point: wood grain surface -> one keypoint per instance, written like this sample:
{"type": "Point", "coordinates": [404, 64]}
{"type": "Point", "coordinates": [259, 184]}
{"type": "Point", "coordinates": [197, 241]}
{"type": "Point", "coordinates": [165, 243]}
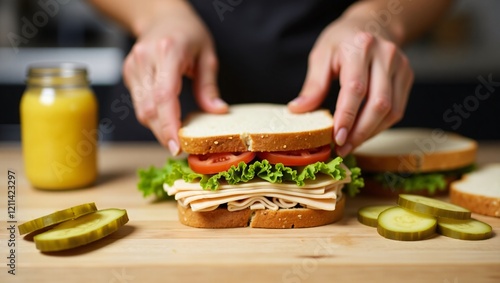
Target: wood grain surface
{"type": "Point", "coordinates": [155, 247]}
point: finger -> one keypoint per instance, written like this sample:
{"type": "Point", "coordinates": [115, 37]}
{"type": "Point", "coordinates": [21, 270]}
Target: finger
{"type": "Point", "coordinates": [168, 123]}
{"type": "Point", "coordinates": [168, 84]}
{"type": "Point", "coordinates": [205, 84]}
{"type": "Point", "coordinates": [403, 80]}
{"type": "Point", "coordinates": [139, 80]}
{"type": "Point", "coordinates": [376, 108]}
{"type": "Point", "coordinates": [317, 80]}
{"type": "Point", "coordinates": [353, 78]}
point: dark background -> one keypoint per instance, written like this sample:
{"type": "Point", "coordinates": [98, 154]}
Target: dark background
{"type": "Point", "coordinates": [451, 62]}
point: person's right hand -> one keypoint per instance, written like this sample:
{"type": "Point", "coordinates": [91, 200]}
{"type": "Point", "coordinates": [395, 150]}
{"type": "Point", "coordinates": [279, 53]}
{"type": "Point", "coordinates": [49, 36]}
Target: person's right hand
{"type": "Point", "coordinates": [169, 47]}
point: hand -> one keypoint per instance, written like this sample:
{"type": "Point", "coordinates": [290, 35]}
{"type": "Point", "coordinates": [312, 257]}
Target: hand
{"type": "Point", "coordinates": [370, 68]}
{"type": "Point", "coordinates": [170, 46]}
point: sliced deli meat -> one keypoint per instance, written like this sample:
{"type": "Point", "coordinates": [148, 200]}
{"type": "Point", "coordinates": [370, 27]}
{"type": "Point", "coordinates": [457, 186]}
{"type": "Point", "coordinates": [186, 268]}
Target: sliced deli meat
{"type": "Point", "coordinates": [321, 193]}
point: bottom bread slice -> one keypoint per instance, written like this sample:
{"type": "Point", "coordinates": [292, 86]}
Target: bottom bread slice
{"type": "Point", "coordinates": [262, 218]}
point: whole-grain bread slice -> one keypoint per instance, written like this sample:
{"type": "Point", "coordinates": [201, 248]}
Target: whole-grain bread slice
{"type": "Point", "coordinates": [255, 127]}
{"type": "Point", "coordinates": [263, 218]}
{"type": "Point", "coordinates": [479, 191]}
{"type": "Point", "coordinates": [415, 150]}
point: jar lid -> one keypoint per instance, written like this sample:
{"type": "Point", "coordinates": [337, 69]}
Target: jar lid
{"type": "Point", "coordinates": [57, 74]}
{"type": "Point", "coordinates": [63, 69]}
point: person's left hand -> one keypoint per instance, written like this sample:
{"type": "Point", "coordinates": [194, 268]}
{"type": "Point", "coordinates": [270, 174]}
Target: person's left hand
{"type": "Point", "coordinates": [375, 80]}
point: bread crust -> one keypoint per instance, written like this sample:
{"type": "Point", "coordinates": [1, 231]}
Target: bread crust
{"type": "Point", "coordinates": [419, 161]}
{"type": "Point", "coordinates": [484, 205]}
{"type": "Point", "coordinates": [259, 142]}
{"type": "Point", "coordinates": [218, 218]}
{"type": "Point", "coordinates": [280, 219]}
{"type": "Point", "coordinates": [244, 137]}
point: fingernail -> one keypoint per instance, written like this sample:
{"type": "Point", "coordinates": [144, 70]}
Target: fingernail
{"type": "Point", "coordinates": [341, 137]}
{"type": "Point", "coordinates": [344, 150]}
{"type": "Point", "coordinates": [173, 147]}
{"type": "Point", "coordinates": [297, 101]}
{"type": "Point", "coordinates": [219, 103]}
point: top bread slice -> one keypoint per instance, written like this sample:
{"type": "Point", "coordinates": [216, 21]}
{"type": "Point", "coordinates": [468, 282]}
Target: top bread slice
{"type": "Point", "coordinates": [255, 127]}
{"type": "Point", "coordinates": [479, 191]}
{"type": "Point", "coordinates": [415, 150]}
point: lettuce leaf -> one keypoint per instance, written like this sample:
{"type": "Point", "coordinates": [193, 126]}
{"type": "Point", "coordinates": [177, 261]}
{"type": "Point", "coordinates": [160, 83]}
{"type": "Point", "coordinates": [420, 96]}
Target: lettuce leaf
{"type": "Point", "coordinates": [277, 173]}
{"type": "Point", "coordinates": [433, 182]}
{"type": "Point", "coordinates": [357, 181]}
{"type": "Point", "coordinates": [152, 179]}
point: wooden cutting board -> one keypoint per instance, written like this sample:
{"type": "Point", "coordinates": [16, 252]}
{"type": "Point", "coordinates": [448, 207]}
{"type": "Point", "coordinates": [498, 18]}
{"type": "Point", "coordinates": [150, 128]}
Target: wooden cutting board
{"type": "Point", "coordinates": [155, 247]}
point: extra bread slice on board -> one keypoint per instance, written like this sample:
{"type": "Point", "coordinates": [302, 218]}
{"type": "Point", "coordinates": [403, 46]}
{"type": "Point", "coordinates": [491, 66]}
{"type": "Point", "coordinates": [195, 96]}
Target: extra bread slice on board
{"type": "Point", "coordinates": [479, 191]}
{"type": "Point", "coordinates": [255, 127]}
{"type": "Point", "coordinates": [264, 218]}
{"type": "Point", "coordinates": [415, 150]}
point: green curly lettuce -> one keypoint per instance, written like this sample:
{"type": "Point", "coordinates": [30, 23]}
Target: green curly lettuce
{"type": "Point", "coordinates": [151, 180]}
{"type": "Point", "coordinates": [432, 182]}
{"type": "Point", "coordinates": [276, 173]}
{"type": "Point", "coordinates": [408, 184]}
{"type": "Point", "coordinates": [357, 182]}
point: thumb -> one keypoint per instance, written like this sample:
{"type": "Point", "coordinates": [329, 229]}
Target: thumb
{"type": "Point", "coordinates": [206, 90]}
{"type": "Point", "coordinates": [316, 83]}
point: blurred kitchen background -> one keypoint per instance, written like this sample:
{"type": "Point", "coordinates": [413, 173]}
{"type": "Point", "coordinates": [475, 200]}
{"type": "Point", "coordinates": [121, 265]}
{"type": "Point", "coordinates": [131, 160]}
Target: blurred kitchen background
{"type": "Point", "coordinates": [451, 63]}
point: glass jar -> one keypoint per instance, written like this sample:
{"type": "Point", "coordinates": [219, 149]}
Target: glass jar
{"type": "Point", "coordinates": [59, 127]}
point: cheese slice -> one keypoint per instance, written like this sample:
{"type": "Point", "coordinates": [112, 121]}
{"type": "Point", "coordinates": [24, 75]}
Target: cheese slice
{"type": "Point", "coordinates": [321, 193]}
{"type": "Point", "coordinates": [326, 202]}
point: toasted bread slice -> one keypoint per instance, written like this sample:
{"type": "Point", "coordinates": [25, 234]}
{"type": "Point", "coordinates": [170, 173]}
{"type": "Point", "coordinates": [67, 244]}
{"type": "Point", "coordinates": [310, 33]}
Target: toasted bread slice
{"type": "Point", "coordinates": [263, 218]}
{"type": "Point", "coordinates": [479, 191]}
{"type": "Point", "coordinates": [415, 150]}
{"type": "Point", "coordinates": [255, 127]}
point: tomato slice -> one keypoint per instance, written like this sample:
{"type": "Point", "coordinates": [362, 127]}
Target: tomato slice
{"type": "Point", "coordinates": [297, 157]}
{"type": "Point", "coordinates": [214, 163]}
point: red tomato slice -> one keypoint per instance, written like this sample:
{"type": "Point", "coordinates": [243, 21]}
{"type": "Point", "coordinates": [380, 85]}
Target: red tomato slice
{"type": "Point", "coordinates": [298, 157]}
{"type": "Point", "coordinates": [217, 162]}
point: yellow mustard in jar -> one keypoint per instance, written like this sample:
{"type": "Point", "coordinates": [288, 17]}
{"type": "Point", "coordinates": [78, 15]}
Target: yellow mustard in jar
{"type": "Point", "coordinates": [59, 127]}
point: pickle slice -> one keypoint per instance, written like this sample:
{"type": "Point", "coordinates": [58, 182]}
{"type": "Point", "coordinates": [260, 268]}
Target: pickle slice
{"type": "Point", "coordinates": [368, 215]}
{"type": "Point", "coordinates": [56, 218]}
{"type": "Point", "coordinates": [433, 207]}
{"type": "Point", "coordinates": [400, 224]}
{"type": "Point", "coordinates": [82, 230]}
{"type": "Point", "coordinates": [469, 229]}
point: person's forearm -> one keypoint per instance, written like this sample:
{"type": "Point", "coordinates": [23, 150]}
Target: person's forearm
{"type": "Point", "coordinates": [136, 15]}
{"type": "Point", "coordinates": [399, 20]}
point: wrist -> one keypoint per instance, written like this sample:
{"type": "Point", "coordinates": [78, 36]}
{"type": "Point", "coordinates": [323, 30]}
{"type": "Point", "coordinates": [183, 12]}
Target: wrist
{"type": "Point", "coordinates": [156, 10]}
{"type": "Point", "coordinates": [378, 18]}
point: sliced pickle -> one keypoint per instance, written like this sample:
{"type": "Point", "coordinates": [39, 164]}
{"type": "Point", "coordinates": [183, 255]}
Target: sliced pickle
{"type": "Point", "coordinates": [400, 224]}
{"type": "Point", "coordinates": [433, 207]}
{"type": "Point", "coordinates": [56, 218]}
{"type": "Point", "coordinates": [469, 229]}
{"type": "Point", "coordinates": [368, 215]}
{"type": "Point", "coordinates": [82, 230]}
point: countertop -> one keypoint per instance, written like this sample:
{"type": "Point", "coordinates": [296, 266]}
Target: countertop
{"type": "Point", "coordinates": [154, 247]}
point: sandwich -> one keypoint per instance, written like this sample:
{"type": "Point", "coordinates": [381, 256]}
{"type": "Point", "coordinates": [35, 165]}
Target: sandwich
{"type": "Point", "coordinates": [479, 191]}
{"type": "Point", "coordinates": [259, 165]}
{"type": "Point", "coordinates": [414, 160]}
